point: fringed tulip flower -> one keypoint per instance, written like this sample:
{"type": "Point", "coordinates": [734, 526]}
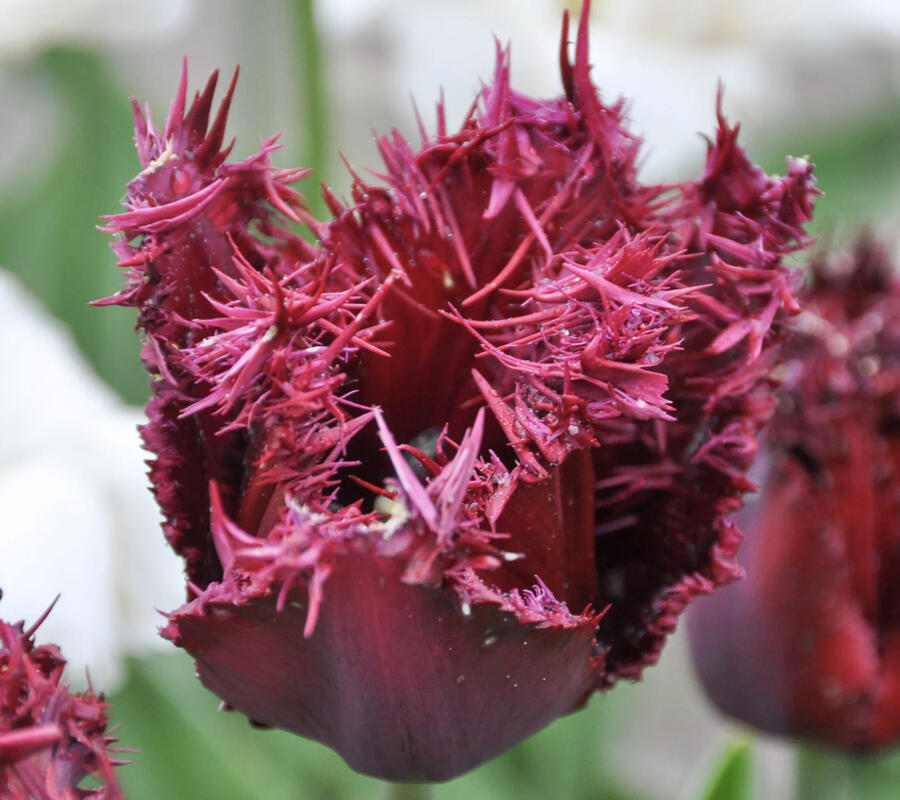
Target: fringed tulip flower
{"type": "Point", "coordinates": [442, 475]}
{"type": "Point", "coordinates": [50, 740]}
{"type": "Point", "coordinates": [809, 643]}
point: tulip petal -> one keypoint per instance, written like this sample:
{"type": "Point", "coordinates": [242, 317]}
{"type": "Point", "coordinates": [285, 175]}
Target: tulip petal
{"type": "Point", "coordinates": [391, 710]}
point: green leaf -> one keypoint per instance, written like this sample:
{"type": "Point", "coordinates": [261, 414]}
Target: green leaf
{"type": "Point", "coordinates": [315, 122]}
{"type": "Point", "coordinates": [732, 777]}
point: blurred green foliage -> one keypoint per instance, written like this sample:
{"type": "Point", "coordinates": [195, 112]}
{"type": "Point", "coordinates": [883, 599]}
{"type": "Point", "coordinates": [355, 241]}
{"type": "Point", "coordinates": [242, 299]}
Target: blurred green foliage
{"type": "Point", "coordinates": [857, 167]}
{"type": "Point", "coordinates": [48, 232]}
{"type": "Point", "coordinates": [826, 774]}
{"type": "Point", "coordinates": [190, 750]}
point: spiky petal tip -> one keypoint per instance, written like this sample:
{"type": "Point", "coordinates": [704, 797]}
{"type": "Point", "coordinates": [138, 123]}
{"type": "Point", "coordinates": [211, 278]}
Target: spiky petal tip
{"type": "Point", "coordinates": [484, 436]}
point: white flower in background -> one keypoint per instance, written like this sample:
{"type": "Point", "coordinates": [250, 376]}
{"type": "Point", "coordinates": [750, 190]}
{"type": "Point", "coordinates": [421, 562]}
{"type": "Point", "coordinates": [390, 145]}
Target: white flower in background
{"type": "Point", "coordinates": [785, 64]}
{"type": "Point", "coordinates": [78, 518]}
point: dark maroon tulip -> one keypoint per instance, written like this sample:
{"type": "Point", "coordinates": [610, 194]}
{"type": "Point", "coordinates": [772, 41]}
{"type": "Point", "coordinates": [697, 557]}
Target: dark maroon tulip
{"type": "Point", "coordinates": [464, 461]}
{"type": "Point", "coordinates": [49, 739]}
{"type": "Point", "coordinates": [809, 644]}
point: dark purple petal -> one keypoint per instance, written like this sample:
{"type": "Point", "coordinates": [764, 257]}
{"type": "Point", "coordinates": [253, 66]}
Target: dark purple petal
{"type": "Point", "coordinates": [358, 673]}
{"type": "Point", "coordinates": [512, 390]}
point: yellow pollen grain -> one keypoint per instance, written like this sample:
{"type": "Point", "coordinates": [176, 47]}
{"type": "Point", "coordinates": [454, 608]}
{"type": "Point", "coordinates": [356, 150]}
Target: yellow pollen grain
{"type": "Point", "coordinates": [163, 158]}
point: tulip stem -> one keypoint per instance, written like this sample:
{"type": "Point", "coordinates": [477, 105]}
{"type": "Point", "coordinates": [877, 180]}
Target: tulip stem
{"type": "Point", "coordinates": [408, 791]}
{"type": "Point", "coordinates": [315, 122]}
{"type": "Point", "coordinates": [822, 775]}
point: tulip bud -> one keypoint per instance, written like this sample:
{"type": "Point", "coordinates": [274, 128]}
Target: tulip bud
{"type": "Point", "coordinates": [49, 739]}
{"type": "Point", "coordinates": [808, 644]}
{"type": "Point", "coordinates": [439, 477]}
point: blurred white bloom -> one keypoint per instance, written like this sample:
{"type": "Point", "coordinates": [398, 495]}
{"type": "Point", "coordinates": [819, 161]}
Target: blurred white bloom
{"type": "Point", "coordinates": [769, 22]}
{"type": "Point", "coordinates": [78, 519]}
{"type": "Point", "coordinates": [785, 64]}
{"type": "Point", "coordinates": [31, 24]}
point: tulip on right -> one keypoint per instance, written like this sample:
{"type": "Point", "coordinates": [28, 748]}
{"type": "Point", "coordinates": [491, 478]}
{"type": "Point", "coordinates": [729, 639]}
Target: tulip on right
{"type": "Point", "coordinates": [808, 644]}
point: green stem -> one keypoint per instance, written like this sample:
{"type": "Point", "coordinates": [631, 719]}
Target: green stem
{"type": "Point", "coordinates": [408, 791]}
{"type": "Point", "coordinates": [315, 123]}
{"type": "Point", "coordinates": [822, 774]}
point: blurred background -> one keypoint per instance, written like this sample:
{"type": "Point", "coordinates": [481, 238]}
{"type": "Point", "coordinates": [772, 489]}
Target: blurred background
{"type": "Point", "coordinates": [805, 77]}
